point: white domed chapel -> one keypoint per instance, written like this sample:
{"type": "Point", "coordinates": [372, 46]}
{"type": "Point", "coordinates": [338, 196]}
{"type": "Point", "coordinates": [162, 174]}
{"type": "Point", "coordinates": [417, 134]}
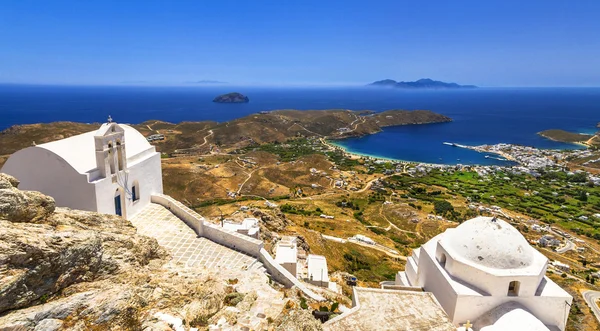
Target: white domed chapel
{"type": "Point", "coordinates": [112, 170]}
{"type": "Point", "coordinates": [484, 271]}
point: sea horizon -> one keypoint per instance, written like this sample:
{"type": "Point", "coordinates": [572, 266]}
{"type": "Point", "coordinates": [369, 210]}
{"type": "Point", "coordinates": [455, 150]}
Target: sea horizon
{"type": "Point", "coordinates": [486, 115]}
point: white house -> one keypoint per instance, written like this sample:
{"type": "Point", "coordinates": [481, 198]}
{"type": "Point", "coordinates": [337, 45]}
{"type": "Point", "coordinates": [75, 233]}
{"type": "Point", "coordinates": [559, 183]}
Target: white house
{"type": "Point", "coordinates": [317, 270]}
{"type": "Point", "coordinates": [286, 254]}
{"type": "Point", "coordinates": [113, 170]}
{"type": "Point", "coordinates": [484, 271]}
{"type": "Point", "coordinates": [364, 239]}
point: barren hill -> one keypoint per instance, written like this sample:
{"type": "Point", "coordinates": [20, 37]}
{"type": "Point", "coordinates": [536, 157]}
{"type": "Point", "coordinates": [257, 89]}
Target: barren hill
{"type": "Point", "coordinates": [275, 126]}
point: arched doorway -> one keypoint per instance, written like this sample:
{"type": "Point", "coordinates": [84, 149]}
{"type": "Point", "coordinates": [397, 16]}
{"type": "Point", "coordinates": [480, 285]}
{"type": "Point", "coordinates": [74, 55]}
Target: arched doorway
{"type": "Point", "coordinates": [118, 203]}
{"type": "Point", "coordinates": [513, 288]}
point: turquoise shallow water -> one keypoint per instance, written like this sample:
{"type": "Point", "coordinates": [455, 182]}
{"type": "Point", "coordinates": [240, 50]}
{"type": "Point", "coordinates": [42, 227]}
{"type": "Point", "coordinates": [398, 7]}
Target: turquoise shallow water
{"type": "Point", "coordinates": [481, 116]}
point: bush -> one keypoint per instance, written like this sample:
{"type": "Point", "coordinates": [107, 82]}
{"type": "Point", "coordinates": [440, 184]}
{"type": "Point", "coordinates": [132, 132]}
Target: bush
{"type": "Point", "coordinates": [303, 304]}
{"type": "Point", "coordinates": [233, 299]}
{"type": "Point", "coordinates": [377, 231]}
{"type": "Point", "coordinates": [441, 207]}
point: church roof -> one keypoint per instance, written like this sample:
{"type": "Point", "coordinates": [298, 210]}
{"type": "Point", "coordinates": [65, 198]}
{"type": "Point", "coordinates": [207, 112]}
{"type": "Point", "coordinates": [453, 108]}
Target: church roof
{"type": "Point", "coordinates": [489, 242]}
{"type": "Point", "coordinates": [509, 316]}
{"type": "Point", "coordinates": [80, 151]}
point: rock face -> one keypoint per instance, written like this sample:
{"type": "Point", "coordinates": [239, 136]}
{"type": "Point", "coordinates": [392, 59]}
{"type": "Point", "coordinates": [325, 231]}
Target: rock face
{"type": "Point", "coordinates": [44, 250]}
{"type": "Point", "coordinates": [19, 206]}
{"type": "Point", "coordinates": [299, 320]}
{"type": "Point", "coordinates": [232, 98]}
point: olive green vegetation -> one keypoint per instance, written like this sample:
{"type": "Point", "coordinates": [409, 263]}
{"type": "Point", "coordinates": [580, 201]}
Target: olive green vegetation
{"type": "Point", "coordinates": [295, 148]}
{"type": "Point", "coordinates": [553, 197]}
{"type": "Point", "coordinates": [290, 150]}
{"type": "Point", "coordinates": [369, 266]}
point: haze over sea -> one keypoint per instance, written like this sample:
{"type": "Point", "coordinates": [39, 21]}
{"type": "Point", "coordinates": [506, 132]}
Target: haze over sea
{"type": "Point", "coordinates": [481, 116]}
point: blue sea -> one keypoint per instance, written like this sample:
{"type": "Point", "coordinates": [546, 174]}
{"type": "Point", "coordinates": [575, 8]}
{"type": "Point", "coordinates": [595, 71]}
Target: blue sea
{"type": "Point", "coordinates": [481, 116]}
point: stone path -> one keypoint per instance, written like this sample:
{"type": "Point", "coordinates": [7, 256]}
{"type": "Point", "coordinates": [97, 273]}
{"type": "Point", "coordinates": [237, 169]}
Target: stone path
{"type": "Point", "coordinates": [182, 242]}
{"type": "Point", "coordinates": [186, 248]}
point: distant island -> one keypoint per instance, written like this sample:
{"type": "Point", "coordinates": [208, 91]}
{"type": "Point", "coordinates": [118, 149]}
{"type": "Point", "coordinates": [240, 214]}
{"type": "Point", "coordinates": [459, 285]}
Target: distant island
{"type": "Point", "coordinates": [232, 98]}
{"type": "Point", "coordinates": [424, 83]}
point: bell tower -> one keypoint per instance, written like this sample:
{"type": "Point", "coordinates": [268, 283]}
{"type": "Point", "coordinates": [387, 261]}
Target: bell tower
{"type": "Point", "coordinates": [109, 143]}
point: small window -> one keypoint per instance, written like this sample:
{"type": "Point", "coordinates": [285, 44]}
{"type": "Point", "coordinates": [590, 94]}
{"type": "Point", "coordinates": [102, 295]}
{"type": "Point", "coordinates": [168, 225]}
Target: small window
{"type": "Point", "coordinates": [443, 260]}
{"type": "Point", "coordinates": [135, 191]}
{"type": "Point", "coordinates": [111, 158]}
{"type": "Point", "coordinates": [513, 288]}
{"type": "Point", "coordinates": [120, 155]}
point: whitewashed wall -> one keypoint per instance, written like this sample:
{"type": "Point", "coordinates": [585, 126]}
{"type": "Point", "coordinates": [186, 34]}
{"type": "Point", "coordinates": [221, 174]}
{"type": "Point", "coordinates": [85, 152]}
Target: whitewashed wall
{"type": "Point", "coordinates": [146, 169]}
{"type": "Point", "coordinates": [40, 170]}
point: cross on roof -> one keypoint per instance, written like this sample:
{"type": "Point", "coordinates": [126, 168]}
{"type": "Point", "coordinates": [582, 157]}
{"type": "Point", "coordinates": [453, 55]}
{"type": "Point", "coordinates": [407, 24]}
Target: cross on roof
{"type": "Point", "coordinates": [110, 119]}
{"type": "Point", "coordinates": [468, 325]}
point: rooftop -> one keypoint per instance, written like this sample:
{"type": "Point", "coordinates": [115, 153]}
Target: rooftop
{"type": "Point", "coordinates": [287, 251]}
{"type": "Point", "coordinates": [378, 309]}
{"type": "Point", "coordinates": [317, 268]}
{"type": "Point", "coordinates": [489, 242]}
{"type": "Point", "coordinates": [80, 151]}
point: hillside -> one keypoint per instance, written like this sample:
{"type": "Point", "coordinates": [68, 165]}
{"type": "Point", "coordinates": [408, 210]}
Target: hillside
{"type": "Point", "coordinates": [564, 136]}
{"type": "Point", "coordinates": [424, 83]}
{"type": "Point", "coordinates": [200, 137]}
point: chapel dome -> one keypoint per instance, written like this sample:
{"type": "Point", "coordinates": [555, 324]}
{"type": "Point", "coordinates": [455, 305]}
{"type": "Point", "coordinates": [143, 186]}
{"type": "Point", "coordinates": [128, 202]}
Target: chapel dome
{"type": "Point", "coordinates": [489, 242]}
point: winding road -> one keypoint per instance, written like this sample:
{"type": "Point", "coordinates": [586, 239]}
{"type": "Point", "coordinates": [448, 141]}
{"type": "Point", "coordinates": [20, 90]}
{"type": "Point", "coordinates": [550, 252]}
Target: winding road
{"type": "Point", "coordinates": [591, 297]}
{"type": "Point", "coordinates": [210, 133]}
{"type": "Point", "coordinates": [569, 246]}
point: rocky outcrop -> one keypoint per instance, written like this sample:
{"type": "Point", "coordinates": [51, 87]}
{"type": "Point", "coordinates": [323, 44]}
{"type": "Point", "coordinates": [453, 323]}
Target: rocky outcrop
{"type": "Point", "coordinates": [299, 320]}
{"type": "Point", "coordinates": [45, 249]}
{"type": "Point", "coordinates": [20, 206]}
{"type": "Point", "coordinates": [270, 223]}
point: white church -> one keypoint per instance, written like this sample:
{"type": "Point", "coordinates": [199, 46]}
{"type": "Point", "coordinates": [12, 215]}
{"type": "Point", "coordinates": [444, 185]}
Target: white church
{"type": "Point", "coordinates": [113, 170]}
{"type": "Point", "coordinates": [485, 275]}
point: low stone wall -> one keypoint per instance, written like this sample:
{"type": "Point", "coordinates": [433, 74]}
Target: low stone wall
{"type": "Point", "coordinates": [233, 240]}
{"type": "Point", "coordinates": [190, 217]}
{"type": "Point", "coordinates": [284, 277]}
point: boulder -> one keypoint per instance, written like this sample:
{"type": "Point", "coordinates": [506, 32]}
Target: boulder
{"type": "Point", "coordinates": [22, 206]}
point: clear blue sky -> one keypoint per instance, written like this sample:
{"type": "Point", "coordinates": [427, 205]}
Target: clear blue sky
{"type": "Point", "coordinates": [483, 42]}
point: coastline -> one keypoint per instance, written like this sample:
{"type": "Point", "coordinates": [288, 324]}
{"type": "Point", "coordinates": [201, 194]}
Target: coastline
{"type": "Point", "coordinates": [580, 143]}
{"type": "Point", "coordinates": [357, 155]}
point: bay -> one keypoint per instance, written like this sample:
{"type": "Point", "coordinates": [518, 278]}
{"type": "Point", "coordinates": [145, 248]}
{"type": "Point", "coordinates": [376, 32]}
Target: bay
{"type": "Point", "coordinates": [480, 116]}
